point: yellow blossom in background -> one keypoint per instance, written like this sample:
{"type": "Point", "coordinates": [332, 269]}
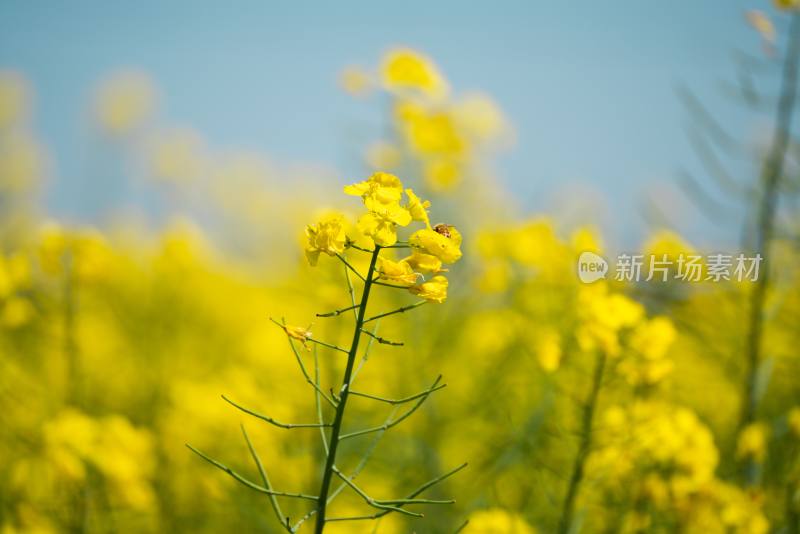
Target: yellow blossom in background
{"type": "Point", "coordinates": [16, 311]}
{"type": "Point", "coordinates": [786, 5]}
{"type": "Point", "coordinates": [548, 350]}
{"type": "Point", "coordinates": [442, 174]}
{"type": "Point", "coordinates": [480, 117]}
{"type": "Point", "coordinates": [327, 236]}
{"type": "Point", "coordinates": [177, 157]}
{"type": "Point", "coordinates": [604, 314]}
{"type": "Point", "coordinates": [356, 81]}
{"type": "Point", "coordinates": [496, 277]}
{"type": "Point", "coordinates": [497, 521]}
{"type": "Point", "coordinates": [15, 273]}
{"type": "Point", "coordinates": [653, 337]}
{"type": "Point", "coordinates": [22, 163]}
{"type": "Point", "coordinates": [752, 442]}
{"type": "Point", "coordinates": [428, 131]}
{"type": "Point", "coordinates": [434, 290]}
{"type": "Point", "coordinates": [120, 452]}
{"type": "Point", "coordinates": [14, 99]}
{"type": "Point", "coordinates": [761, 23]}
{"type": "Point", "coordinates": [404, 69]}
{"type": "Point", "coordinates": [82, 254]}
{"type": "Point", "coordinates": [124, 101]}
{"type": "Point", "coordinates": [793, 419]}
{"type": "Point", "coordinates": [383, 155]}
{"type": "Point", "coordinates": [586, 239]}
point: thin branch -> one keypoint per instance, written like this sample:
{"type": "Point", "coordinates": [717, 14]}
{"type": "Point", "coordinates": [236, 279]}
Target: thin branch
{"type": "Point", "coordinates": [351, 291]}
{"type": "Point", "coordinates": [399, 401]}
{"type": "Point", "coordinates": [282, 519]}
{"type": "Point", "coordinates": [303, 369]}
{"type": "Point", "coordinates": [248, 483]}
{"type": "Point", "coordinates": [369, 500]}
{"type": "Point", "coordinates": [272, 421]}
{"type": "Point", "coordinates": [337, 312]}
{"type": "Point", "coordinates": [382, 340]}
{"type": "Point", "coordinates": [334, 347]}
{"type": "Point", "coordinates": [359, 467]}
{"type": "Point", "coordinates": [317, 394]}
{"type": "Point", "coordinates": [307, 337]}
{"type": "Point", "coordinates": [350, 244]}
{"type": "Point", "coordinates": [704, 117]}
{"type": "Point", "coordinates": [398, 310]}
{"type": "Point", "coordinates": [411, 495]}
{"type": "Point", "coordinates": [366, 354]}
{"type": "Point", "coordinates": [390, 424]}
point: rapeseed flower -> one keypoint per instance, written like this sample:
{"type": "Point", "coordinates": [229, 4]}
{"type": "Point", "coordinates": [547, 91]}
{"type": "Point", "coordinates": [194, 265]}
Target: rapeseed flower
{"type": "Point", "coordinates": [297, 332]}
{"type": "Point", "coordinates": [399, 272]}
{"type": "Point", "coordinates": [418, 208]}
{"type": "Point", "coordinates": [752, 442]}
{"type": "Point", "coordinates": [404, 69]}
{"type": "Point", "coordinates": [327, 236]}
{"type": "Point", "coordinates": [424, 263]}
{"type": "Point", "coordinates": [442, 241]}
{"type": "Point", "coordinates": [434, 290]}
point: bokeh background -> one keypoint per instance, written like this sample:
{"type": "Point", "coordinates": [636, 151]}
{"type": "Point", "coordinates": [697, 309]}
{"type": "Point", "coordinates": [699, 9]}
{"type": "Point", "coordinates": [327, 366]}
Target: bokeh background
{"type": "Point", "coordinates": [159, 163]}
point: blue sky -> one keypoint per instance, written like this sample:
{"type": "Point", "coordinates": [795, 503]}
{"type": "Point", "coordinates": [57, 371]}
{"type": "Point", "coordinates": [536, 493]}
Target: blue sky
{"type": "Point", "coordinates": [588, 85]}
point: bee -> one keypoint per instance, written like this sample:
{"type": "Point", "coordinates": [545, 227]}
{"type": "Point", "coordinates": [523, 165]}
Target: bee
{"type": "Point", "coordinates": [443, 229]}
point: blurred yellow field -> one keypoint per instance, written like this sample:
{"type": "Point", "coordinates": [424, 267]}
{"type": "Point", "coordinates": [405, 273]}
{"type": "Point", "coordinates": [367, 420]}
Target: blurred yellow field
{"type": "Point", "coordinates": [234, 344]}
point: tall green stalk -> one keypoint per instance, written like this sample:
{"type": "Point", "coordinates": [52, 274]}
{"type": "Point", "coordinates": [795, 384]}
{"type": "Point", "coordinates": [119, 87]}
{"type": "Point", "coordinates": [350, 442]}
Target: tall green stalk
{"type": "Point", "coordinates": [584, 447]}
{"type": "Point", "coordinates": [336, 429]}
{"type": "Point", "coordinates": [767, 210]}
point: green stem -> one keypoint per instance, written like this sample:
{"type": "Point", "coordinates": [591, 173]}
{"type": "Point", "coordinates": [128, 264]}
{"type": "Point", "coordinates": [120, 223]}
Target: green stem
{"type": "Point", "coordinates": [771, 177]}
{"type": "Point", "coordinates": [568, 511]}
{"type": "Point", "coordinates": [328, 471]}
{"type": "Point", "coordinates": [398, 310]}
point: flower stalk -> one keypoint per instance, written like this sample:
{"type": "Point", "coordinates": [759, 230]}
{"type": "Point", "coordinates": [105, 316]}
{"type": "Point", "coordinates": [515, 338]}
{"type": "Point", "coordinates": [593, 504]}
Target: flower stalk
{"type": "Point", "coordinates": [432, 247]}
{"type": "Point", "coordinates": [584, 447]}
{"type": "Point", "coordinates": [344, 393]}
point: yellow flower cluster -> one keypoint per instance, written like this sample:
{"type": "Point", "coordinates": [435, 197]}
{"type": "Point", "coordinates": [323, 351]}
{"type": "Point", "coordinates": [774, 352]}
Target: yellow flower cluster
{"type": "Point", "coordinates": [497, 521]}
{"type": "Point", "coordinates": [752, 443]}
{"type": "Point", "coordinates": [604, 315]}
{"type": "Point", "coordinates": [664, 455]}
{"type": "Point", "coordinates": [646, 363]}
{"type": "Point", "coordinates": [443, 135]}
{"type": "Point", "coordinates": [431, 247]}
{"type": "Point", "coordinates": [124, 102]}
{"type": "Point", "coordinates": [16, 308]}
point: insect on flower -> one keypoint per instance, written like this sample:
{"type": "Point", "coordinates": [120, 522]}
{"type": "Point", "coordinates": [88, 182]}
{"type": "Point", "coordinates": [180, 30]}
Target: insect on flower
{"type": "Point", "coordinates": [443, 229]}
